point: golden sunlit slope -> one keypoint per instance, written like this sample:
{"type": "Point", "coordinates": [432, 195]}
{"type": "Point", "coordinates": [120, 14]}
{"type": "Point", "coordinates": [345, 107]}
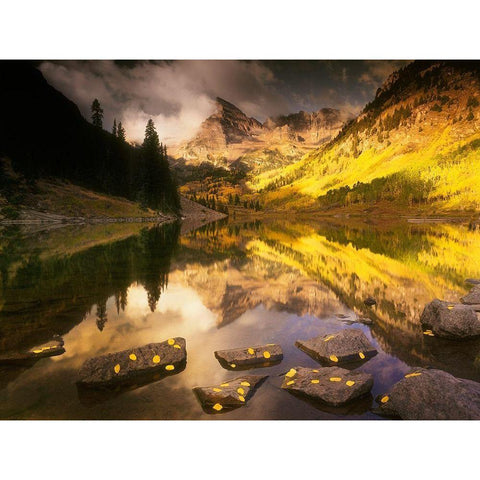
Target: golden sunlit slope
{"type": "Point", "coordinates": [417, 143]}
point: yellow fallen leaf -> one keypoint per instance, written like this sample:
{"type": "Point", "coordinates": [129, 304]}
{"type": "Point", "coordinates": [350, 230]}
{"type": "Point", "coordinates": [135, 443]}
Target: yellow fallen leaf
{"type": "Point", "coordinates": [291, 382]}
{"type": "Point", "coordinates": [217, 389]}
{"type": "Point", "coordinates": [315, 381]}
{"type": "Point", "coordinates": [177, 346]}
{"type": "Point", "coordinates": [333, 358]}
{"type": "Point", "coordinates": [116, 368]}
{"type": "Point", "coordinates": [241, 391]}
{"type": "Point", "coordinates": [316, 371]}
{"type": "Point", "coordinates": [335, 379]}
{"type": "Point", "coordinates": [38, 351]}
{"type": "Point", "coordinates": [251, 351]}
{"type": "Point", "coordinates": [171, 341]}
{"type": "Point", "coordinates": [266, 354]}
{"type": "Point", "coordinates": [361, 355]}
{"type": "Point", "coordinates": [242, 399]}
{"type": "Point", "coordinates": [414, 374]}
{"type": "Point", "coordinates": [451, 307]}
{"type": "Point", "coordinates": [232, 365]}
{"type": "Point", "coordinates": [156, 359]}
{"type": "Point", "coordinates": [292, 372]}
{"type": "Point", "coordinates": [169, 367]}
{"type": "Point", "coordinates": [217, 407]}
{"type": "Point", "coordinates": [350, 383]}
{"type": "Point", "coordinates": [385, 399]}
{"type": "Point", "coordinates": [245, 384]}
{"type": "Point", "coordinates": [326, 339]}
{"type": "Point", "coordinates": [132, 356]}
{"type": "Point", "coordinates": [224, 384]}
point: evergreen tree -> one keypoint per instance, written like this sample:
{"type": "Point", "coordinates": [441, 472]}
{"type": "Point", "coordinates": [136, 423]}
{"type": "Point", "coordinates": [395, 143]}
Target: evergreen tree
{"type": "Point", "coordinates": [114, 129]}
{"type": "Point", "coordinates": [97, 114]}
{"type": "Point", "coordinates": [121, 132]}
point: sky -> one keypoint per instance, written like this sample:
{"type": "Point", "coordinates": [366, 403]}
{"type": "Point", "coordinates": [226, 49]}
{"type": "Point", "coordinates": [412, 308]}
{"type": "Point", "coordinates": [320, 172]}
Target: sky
{"type": "Point", "coordinates": [179, 95]}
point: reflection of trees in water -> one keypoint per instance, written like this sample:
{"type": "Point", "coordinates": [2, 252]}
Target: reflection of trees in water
{"type": "Point", "coordinates": [41, 292]}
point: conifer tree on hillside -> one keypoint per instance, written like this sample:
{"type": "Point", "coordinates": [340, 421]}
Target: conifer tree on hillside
{"type": "Point", "coordinates": [97, 114]}
{"type": "Point", "coordinates": [158, 190]}
{"type": "Point", "coordinates": [114, 129]}
{"type": "Point", "coordinates": [121, 132]}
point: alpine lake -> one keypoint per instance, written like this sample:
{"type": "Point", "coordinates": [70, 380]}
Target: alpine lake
{"type": "Point", "coordinates": [229, 284]}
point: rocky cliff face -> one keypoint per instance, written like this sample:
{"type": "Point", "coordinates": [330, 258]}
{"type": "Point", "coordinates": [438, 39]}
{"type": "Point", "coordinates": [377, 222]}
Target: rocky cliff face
{"type": "Point", "coordinates": [229, 136]}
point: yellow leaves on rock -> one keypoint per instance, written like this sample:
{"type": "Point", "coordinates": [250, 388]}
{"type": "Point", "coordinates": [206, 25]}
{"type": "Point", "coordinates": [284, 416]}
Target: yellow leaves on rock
{"type": "Point", "coordinates": [291, 373]}
{"type": "Point", "coordinates": [327, 339]}
{"type": "Point", "coordinates": [385, 399]}
{"type": "Point", "coordinates": [43, 349]}
{"type": "Point", "coordinates": [315, 381]}
{"type": "Point", "coordinates": [171, 341]}
{"type": "Point", "coordinates": [215, 389]}
{"type": "Point", "coordinates": [266, 354]}
{"type": "Point", "coordinates": [291, 382]}
{"type": "Point", "coordinates": [156, 359]}
{"type": "Point", "coordinates": [132, 357]}
{"type": "Point", "coordinates": [251, 351]}
{"type": "Point", "coordinates": [241, 391]}
{"type": "Point", "coordinates": [451, 307]}
{"type": "Point", "coordinates": [350, 383]}
{"type": "Point", "coordinates": [224, 384]}
{"type": "Point", "coordinates": [414, 374]}
{"type": "Point", "coordinates": [177, 346]}
{"type": "Point", "coordinates": [233, 365]}
{"type": "Point", "coordinates": [361, 355]}
{"type": "Point", "coordinates": [241, 398]}
{"type": "Point", "coordinates": [38, 351]}
{"type": "Point", "coordinates": [429, 333]}
{"type": "Point", "coordinates": [217, 407]}
{"type": "Point", "coordinates": [333, 358]}
{"type": "Point", "coordinates": [169, 368]}
{"type": "Point", "coordinates": [315, 371]}
{"type": "Point", "coordinates": [335, 379]}
{"type": "Point", "coordinates": [116, 368]}
{"type": "Point", "coordinates": [245, 384]}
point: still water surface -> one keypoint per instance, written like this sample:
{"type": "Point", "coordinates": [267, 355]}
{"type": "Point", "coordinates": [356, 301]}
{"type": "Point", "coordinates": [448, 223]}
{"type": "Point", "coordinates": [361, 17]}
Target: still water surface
{"type": "Point", "coordinates": [109, 288]}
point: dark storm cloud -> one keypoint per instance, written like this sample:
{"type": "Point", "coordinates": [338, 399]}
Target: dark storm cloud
{"type": "Point", "coordinates": [179, 95]}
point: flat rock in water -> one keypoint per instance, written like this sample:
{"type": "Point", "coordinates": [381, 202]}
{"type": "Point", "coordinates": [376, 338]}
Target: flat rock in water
{"type": "Point", "coordinates": [249, 357]}
{"type": "Point", "coordinates": [228, 395]}
{"type": "Point", "coordinates": [349, 345]}
{"type": "Point", "coordinates": [333, 386]}
{"type": "Point", "coordinates": [132, 365]}
{"type": "Point", "coordinates": [450, 320]}
{"type": "Point", "coordinates": [428, 394]}
{"type": "Point", "coordinates": [49, 349]}
{"type": "Point", "coordinates": [472, 297]}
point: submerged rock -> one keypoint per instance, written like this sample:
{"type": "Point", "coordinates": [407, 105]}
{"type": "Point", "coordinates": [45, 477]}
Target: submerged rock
{"type": "Point", "coordinates": [349, 345]}
{"type": "Point", "coordinates": [428, 394]}
{"type": "Point", "coordinates": [450, 320]}
{"type": "Point", "coordinates": [135, 365]}
{"type": "Point", "coordinates": [228, 395]}
{"type": "Point", "coordinates": [472, 297]}
{"type": "Point", "coordinates": [370, 301]}
{"type": "Point", "coordinates": [333, 386]}
{"type": "Point", "coordinates": [249, 357]}
{"type": "Point", "coordinates": [49, 349]}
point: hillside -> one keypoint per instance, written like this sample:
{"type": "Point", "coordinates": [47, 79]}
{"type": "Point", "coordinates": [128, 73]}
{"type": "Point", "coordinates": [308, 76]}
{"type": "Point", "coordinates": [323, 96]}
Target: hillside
{"type": "Point", "coordinates": [44, 135]}
{"type": "Point", "coordinates": [416, 144]}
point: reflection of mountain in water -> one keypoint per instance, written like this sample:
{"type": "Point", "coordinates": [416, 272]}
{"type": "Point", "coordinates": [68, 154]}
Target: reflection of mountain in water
{"type": "Point", "coordinates": [43, 296]}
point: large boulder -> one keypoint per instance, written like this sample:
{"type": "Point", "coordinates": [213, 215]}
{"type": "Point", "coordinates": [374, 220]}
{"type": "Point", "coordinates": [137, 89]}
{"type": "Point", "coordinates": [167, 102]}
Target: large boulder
{"type": "Point", "coordinates": [229, 395]}
{"type": "Point", "coordinates": [49, 349]}
{"type": "Point", "coordinates": [345, 346]}
{"type": "Point", "coordinates": [333, 386]}
{"type": "Point", "coordinates": [155, 360]}
{"type": "Point", "coordinates": [450, 320]}
{"type": "Point", "coordinates": [428, 394]}
{"type": "Point", "coordinates": [249, 357]}
{"type": "Point", "coordinates": [472, 297]}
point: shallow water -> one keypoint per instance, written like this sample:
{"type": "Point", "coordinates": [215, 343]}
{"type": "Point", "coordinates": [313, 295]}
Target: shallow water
{"type": "Point", "coordinates": [108, 288]}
